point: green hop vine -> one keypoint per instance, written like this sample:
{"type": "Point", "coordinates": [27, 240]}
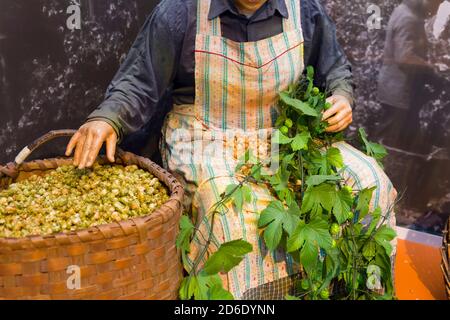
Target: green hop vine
{"type": "Point", "coordinates": [342, 248]}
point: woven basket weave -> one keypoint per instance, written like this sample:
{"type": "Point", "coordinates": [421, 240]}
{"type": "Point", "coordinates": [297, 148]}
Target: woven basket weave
{"type": "Point", "coordinates": [133, 259]}
{"type": "Point", "coordinates": [446, 257]}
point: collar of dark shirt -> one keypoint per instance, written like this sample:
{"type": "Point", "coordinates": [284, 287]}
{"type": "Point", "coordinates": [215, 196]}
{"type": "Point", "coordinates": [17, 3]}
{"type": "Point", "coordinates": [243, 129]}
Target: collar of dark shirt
{"type": "Point", "coordinates": [268, 9]}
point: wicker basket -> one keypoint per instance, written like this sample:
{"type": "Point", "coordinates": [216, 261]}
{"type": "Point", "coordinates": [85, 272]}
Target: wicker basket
{"type": "Point", "coordinates": [446, 257]}
{"type": "Point", "coordinates": [133, 259]}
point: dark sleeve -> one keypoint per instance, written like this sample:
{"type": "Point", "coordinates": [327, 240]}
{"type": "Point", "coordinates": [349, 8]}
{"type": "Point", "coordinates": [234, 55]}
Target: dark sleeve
{"type": "Point", "coordinates": [145, 75]}
{"type": "Point", "coordinates": [410, 52]}
{"type": "Point", "coordinates": [323, 52]}
{"type": "Point", "coordinates": [410, 46]}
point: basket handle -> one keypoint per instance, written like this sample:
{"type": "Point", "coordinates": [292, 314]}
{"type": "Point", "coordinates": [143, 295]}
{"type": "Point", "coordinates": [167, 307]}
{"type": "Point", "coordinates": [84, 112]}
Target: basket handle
{"type": "Point", "coordinates": [11, 169]}
{"type": "Point", "coordinates": [29, 149]}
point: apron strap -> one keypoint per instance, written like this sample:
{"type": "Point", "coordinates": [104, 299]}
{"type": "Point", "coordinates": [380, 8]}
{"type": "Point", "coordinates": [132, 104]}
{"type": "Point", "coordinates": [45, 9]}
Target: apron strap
{"type": "Point", "coordinates": [294, 20]}
{"type": "Point", "coordinates": [213, 27]}
{"type": "Point", "coordinates": [204, 25]}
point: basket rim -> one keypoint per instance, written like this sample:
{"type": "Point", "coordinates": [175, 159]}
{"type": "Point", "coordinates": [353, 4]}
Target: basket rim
{"type": "Point", "coordinates": [170, 181]}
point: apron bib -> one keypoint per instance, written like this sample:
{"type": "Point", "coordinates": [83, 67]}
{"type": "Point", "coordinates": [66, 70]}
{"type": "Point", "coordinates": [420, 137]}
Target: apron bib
{"type": "Point", "coordinates": [237, 87]}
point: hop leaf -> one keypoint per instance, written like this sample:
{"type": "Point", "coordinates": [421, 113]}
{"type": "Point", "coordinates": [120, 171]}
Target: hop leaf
{"type": "Point", "coordinates": [239, 194]}
{"type": "Point", "coordinates": [374, 150]}
{"type": "Point", "coordinates": [318, 198]}
{"type": "Point", "coordinates": [186, 231]}
{"type": "Point", "coordinates": [310, 238]}
{"type": "Point", "coordinates": [363, 203]}
{"type": "Point", "coordinates": [316, 232]}
{"type": "Point", "coordinates": [325, 162]}
{"type": "Point", "coordinates": [217, 292]}
{"type": "Point", "coordinates": [228, 256]}
{"type": "Point", "coordinates": [300, 141]}
{"type": "Point", "coordinates": [276, 219]}
{"type": "Point", "coordinates": [203, 287]}
{"type": "Point", "coordinates": [298, 105]}
{"type": "Point", "coordinates": [384, 236]}
{"type": "Point", "coordinates": [341, 205]}
{"type": "Point", "coordinates": [326, 196]}
{"type": "Point", "coordinates": [315, 180]}
{"type": "Point", "coordinates": [334, 158]}
{"type": "Point", "coordinates": [280, 138]}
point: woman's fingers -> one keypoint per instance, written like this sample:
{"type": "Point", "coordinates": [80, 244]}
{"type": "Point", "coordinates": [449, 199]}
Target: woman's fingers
{"type": "Point", "coordinates": [88, 141]}
{"type": "Point", "coordinates": [96, 145]}
{"type": "Point", "coordinates": [330, 112]}
{"type": "Point", "coordinates": [340, 115]}
{"type": "Point", "coordinates": [86, 150]}
{"type": "Point", "coordinates": [111, 143]}
{"type": "Point", "coordinates": [72, 143]}
{"type": "Point", "coordinates": [341, 125]}
{"type": "Point", "coordinates": [79, 149]}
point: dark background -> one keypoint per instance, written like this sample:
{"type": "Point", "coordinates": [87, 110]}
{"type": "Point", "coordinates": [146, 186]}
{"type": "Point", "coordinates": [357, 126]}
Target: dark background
{"type": "Point", "coordinates": [52, 78]}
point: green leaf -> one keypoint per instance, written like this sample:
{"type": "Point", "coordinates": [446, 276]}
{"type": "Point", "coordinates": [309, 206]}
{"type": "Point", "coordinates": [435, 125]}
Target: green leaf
{"type": "Point", "coordinates": [332, 267]}
{"type": "Point", "coordinates": [247, 193]}
{"type": "Point", "coordinates": [229, 255]}
{"type": "Point", "coordinates": [326, 196]}
{"type": "Point", "coordinates": [280, 180]}
{"type": "Point", "coordinates": [300, 141]}
{"type": "Point", "coordinates": [383, 236]}
{"type": "Point", "coordinates": [341, 205]}
{"type": "Point", "coordinates": [234, 191]}
{"type": "Point", "coordinates": [384, 262]}
{"type": "Point", "coordinates": [214, 285]}
{"type": "Point", "coordinates": [280, 138]}
{"type": "Point", "coordinates": [315, 232]}
{"type": "Point", "coordinates": [256, 173]}
{"type": "Point", "coordinates": [318, 198]}
{"type": "Point", "coordinates": [193, 286]}
{"type": "Point", "coordinates": [247, 158]}
{"type": "Point", "coordinates": [334, 158]}
{"type": "Point", "coordinates": [327, 161]}
{"type": "Point", "coordinates": [315, 180]}
{"type": "Point", "coordinates": [239, 194]}
{"type": "Point", "coordinates": [276, 219]}
{"type": "Point", "coordinates": [272, 234]}
{"type": "Point", "coordinates": [310, 72]}
{"type": "Point", "coordinates": [374, 150]}
{"type": "Point", "coordinates": [203, 287]}
{"type": "Point", "coordinates": [376, 216]}
{"type": "Point", "coordinates": [369, 250]}
{"type": "Point", "coordinates": [186, 231]}
{"type": "Point", "coordinates": [289, 297]}
{"type": "Point", "coordinates": [219, 293]}
{"type": "Point", "coordinates": [319, 164]}
{"type": "Point", "coordinates": [292, 218]}
{"type": "Point", "coordinates": [184, 292]}
{"type": "Point", "coordinates": [298, 105]}
{"type": "Point", "coordinates": [309, 256]}
{"type": "Point", "coordinates": [297, 238]}
{"type": "Point", "coordinates": [363, 203]}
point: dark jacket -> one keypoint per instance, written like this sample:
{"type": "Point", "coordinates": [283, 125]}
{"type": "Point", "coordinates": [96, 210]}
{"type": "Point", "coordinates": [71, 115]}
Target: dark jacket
{"type": "Point", "coordinates": [405, 69]}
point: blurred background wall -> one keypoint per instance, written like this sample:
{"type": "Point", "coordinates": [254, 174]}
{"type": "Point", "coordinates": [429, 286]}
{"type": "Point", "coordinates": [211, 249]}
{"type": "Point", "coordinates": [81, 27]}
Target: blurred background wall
{"type": "Point", "coordinates": [52, 76]}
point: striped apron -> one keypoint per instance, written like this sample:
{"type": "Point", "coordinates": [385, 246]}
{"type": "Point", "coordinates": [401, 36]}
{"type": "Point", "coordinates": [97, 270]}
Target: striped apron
{"type": "Point", "coordinates": [237, 86]}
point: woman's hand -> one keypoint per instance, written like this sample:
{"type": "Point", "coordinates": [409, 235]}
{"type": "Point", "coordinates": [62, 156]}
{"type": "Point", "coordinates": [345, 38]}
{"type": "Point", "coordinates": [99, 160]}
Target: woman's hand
{"type": "Point", "coordinates": [88, 141]}
{"type": "Point", "coordinates": [340, 115]}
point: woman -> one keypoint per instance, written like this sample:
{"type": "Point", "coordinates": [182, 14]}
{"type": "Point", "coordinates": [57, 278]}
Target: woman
{"type": "Point", "coordinates": [223, 62]}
